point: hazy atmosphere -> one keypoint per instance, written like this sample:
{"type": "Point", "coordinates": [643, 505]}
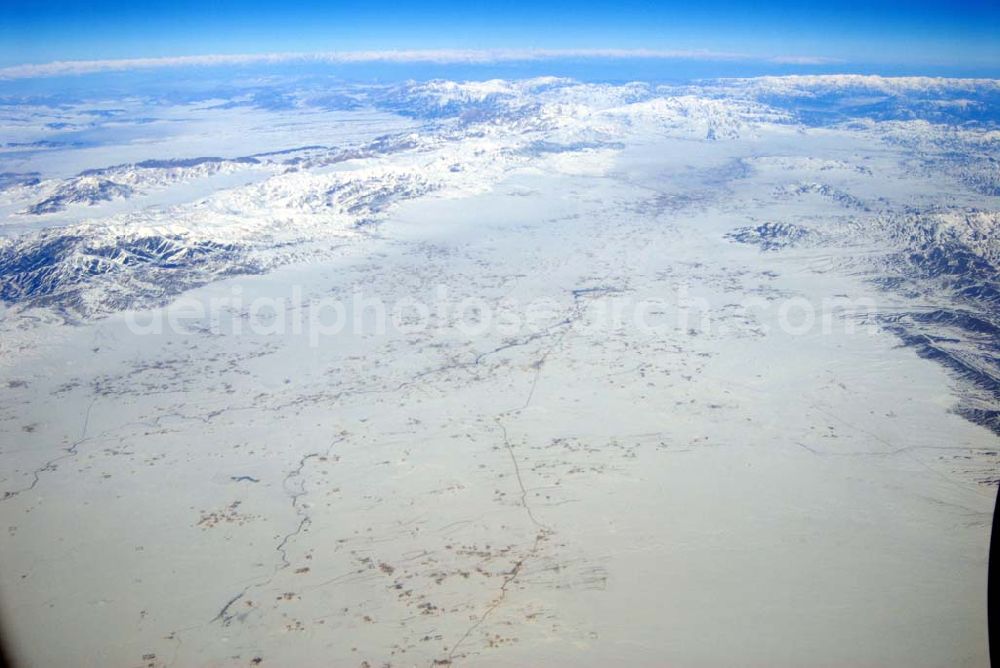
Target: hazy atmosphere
{"type": "Point", "coordinates": [525, 335]}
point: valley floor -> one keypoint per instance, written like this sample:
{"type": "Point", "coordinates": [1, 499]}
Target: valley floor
{"type": "Point", "coordinates": [715, 489]}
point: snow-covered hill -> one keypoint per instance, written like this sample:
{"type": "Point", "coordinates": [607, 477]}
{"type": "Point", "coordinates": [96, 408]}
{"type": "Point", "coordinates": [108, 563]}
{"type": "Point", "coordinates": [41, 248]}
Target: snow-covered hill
{"type": "Point", "coordinates": [476, 133]}
{"type": "Point", "coordinates": [136, 234]}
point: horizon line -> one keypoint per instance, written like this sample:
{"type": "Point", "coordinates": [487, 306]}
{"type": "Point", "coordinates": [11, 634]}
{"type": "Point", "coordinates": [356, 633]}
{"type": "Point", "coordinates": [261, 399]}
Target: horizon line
{"type": "Point", "coordinates": [435, 56]}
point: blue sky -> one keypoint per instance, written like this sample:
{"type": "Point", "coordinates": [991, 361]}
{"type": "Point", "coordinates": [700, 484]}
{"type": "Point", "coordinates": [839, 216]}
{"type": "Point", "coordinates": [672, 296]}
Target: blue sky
{"type": "Point", "coordinates": [915, 33]}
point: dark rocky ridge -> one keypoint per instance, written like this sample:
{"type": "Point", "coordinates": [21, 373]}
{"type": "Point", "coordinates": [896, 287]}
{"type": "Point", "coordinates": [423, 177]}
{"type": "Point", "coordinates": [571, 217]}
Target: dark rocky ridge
{"type": "Point", "coordinates": [57, 270]}
{"type": "Point", "coordinates": [950, 258]}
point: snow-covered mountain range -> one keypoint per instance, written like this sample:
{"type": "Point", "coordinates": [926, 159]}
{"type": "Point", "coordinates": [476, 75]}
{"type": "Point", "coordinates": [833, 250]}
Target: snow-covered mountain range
{"type": "Point", "coordinates": [135, 234]}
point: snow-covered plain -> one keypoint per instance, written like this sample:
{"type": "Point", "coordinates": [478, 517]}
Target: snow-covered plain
{"type": "Point", "coordinates": [707, 377]}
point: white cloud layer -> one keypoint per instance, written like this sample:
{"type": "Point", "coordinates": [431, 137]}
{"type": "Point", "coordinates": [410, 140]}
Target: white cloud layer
{"type": "Point", "coordinates": [440, 56]}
